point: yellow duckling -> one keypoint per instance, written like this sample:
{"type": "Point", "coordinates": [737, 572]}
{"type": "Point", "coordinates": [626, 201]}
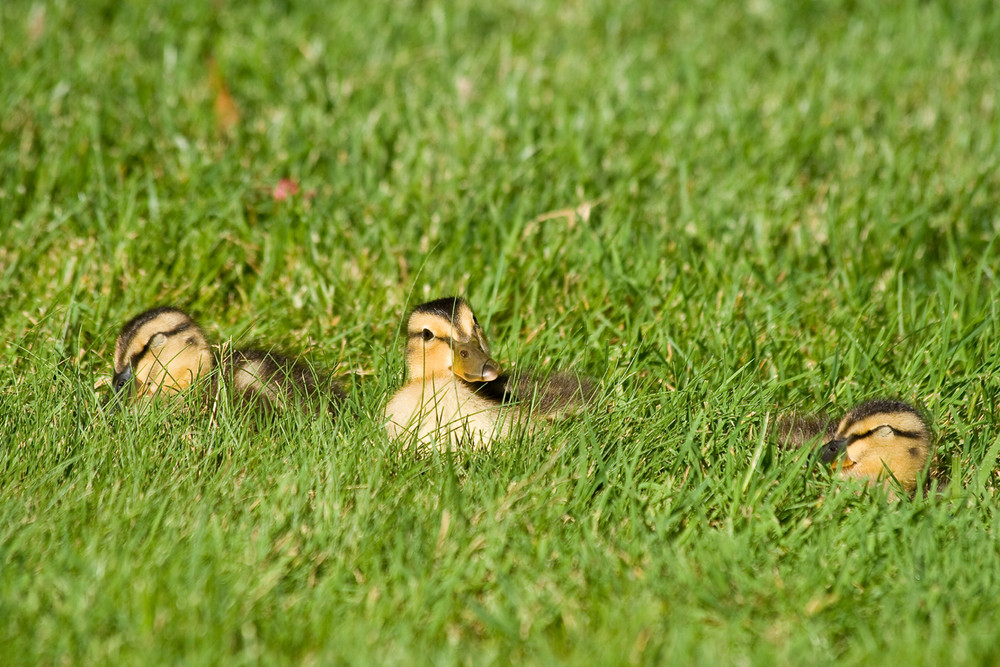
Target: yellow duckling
{"type": "Point", "coordinates": [881, 439]}
{"type": "Point", "coordinates": [163, 351]}
{"type": "Point", "coordinates": [455, 393]}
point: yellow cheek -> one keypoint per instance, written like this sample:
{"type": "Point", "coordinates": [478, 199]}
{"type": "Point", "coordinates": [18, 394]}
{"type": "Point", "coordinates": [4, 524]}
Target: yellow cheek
{"type": "Point", "coordinates": [145, 378]}
{"type": "Point", "coordinates": [154, 378]}
{"type": "Point", "coordinates": [145, 390]}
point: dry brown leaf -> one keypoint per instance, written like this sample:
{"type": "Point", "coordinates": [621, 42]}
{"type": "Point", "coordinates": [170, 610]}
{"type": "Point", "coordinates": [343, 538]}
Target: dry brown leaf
{"type": "Point", "coordinates": [227, 115]}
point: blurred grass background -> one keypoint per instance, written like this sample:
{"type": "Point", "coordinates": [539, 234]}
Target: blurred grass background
{"type": "Point", "coordinates": [723, 211]}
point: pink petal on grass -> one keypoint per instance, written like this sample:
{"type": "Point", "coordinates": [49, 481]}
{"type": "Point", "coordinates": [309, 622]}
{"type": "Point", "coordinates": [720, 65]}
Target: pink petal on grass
{"type": "Point", "coordinates": [285, 188]}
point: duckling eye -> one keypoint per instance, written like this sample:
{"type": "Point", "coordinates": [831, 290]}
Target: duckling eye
{"type": "Point", "coordinates": [465, 354]}
{"type": "Point", "coordinates": [427, 334]}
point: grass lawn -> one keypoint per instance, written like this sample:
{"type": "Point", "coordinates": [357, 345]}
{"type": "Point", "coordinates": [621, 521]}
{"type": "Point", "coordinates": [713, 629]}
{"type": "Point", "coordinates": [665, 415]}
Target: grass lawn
{"type": "Point", "coordinates": [724, 211]}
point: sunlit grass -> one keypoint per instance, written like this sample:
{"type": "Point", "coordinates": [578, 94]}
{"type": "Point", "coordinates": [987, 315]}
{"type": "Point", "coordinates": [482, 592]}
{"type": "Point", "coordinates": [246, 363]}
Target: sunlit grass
{"type": "Point", "coordinates": [723, 214]}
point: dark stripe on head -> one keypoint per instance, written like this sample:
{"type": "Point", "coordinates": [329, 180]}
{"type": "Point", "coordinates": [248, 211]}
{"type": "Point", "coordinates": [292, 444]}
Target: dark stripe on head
{"type": "Point", "coordinates": [448, 308]}
{"type": "Point", "coordinates": [911, 435]}
{"type": "Point", "coordinates": [420, 335]}
{"type": "Point", "coordinates": [145, 348]}
{"type": "Point", "coordinates": [132, 327]}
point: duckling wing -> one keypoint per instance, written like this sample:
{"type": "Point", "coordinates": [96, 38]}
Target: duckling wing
{"type": "Point", "coordinates": [274, 380]}
{"type": "Point", "coordinates": [555, 396]}
{"type": "Point", "coordinates": [794, 430]}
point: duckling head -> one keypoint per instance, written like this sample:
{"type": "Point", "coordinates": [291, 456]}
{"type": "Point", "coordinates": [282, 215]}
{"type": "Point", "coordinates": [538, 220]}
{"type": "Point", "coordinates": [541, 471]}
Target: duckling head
{"type": "Point", "coordinates": [161, 350]}
{"type": "Point", "coordinates": [444, 338]}
{"type": "Point", "coordinates": [881, 437]}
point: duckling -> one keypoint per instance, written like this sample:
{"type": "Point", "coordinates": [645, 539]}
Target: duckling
{"type": "Point", "coordinates": [456, 392]}
{"type": "Point", "coordinates": [163, 351]}
{"type": "Point", "coordinates": [880, 438]}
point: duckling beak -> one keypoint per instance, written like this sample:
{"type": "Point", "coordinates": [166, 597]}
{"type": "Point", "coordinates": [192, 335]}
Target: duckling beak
{"type": "Point", "coordinates": [121, 380]}
{"type": "Point", "coordinates": [833, 449]}
{"type": "Point", "coordinates": [470, 363]}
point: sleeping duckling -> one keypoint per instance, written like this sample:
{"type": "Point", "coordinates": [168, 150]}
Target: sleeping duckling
{"type": "Point", "coordinates": [879, 439]}
{"type": "Point", "coordinates": [163, 351]}
{"type": "Point", "coordinates": [455, 391]}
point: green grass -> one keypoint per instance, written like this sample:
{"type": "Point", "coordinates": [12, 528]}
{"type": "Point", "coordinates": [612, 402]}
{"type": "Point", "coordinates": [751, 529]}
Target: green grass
{"type": "Point", "coordinates": [780, 207]}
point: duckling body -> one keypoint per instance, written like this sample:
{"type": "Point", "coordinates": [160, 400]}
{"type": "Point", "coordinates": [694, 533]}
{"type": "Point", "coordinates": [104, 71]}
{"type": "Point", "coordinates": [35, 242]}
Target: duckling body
{"type": "Point", "coordinates": [879, 440]}
{"type": "Point", "coordinates": [455, 393]}
{"type": "Point", "coordinates": [447, 411]}
{"type": "Point", "coordinates": [164, 352]}
{"type": "Point", "coordinates": [558, 395]}
{"type": "Point", "coordinates": [794, 430]}
{"type": "Point", "coordinates": [270, 380]}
